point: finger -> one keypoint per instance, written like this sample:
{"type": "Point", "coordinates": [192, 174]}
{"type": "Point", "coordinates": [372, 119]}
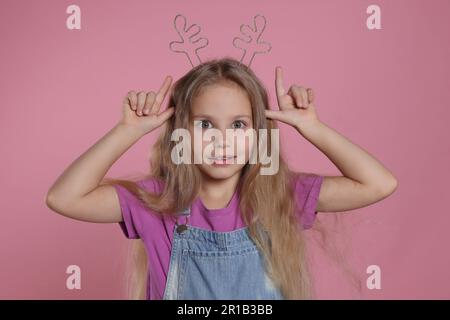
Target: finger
{"type": "Point", "coordinates": [132, 96]}
{"type": "Point", "coordinates": [162, 92]}
{"type": "Point", "coordinates": [296, 94]}
{"type": "Point", "coordinates": [310, 95]}
{"type": "Point", "coordinates": [165, 115]}
{"type": "Point", "coordinates": [149, 100]}
{"type": "Point", "coordinates": [304, 95]}
{"type": "Point", "coordinates": [276, 115]}
{"type": "Point", "coordinates": [279, 83]}
{"type": "Point", "coordinates": [141, 102]}
{"type": "Point", "coordinates": [126, 102]}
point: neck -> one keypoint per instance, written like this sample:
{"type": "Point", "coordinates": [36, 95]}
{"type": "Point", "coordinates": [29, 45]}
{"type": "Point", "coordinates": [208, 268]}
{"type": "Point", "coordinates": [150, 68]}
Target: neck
{"type": "Point", "coordinates": [217, 193]}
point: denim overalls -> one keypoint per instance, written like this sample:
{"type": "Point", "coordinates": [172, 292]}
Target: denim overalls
{"type": "Point", "coordinates": [208, 264]}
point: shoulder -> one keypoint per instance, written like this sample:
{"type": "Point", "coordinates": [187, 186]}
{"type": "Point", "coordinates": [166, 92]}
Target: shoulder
{"type": "Point", "coordinates": [128, 193]}
{"type": "Point", "coordinates": [151, 184]}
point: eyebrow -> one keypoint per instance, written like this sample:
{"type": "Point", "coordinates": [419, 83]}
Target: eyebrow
{"type": "Point", "coordinates": [212, 117]}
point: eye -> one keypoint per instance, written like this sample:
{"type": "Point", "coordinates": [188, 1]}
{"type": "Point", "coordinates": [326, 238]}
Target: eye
{"type": "Point", "coordinates": [204, 124]}
{"type": "Point", "coordinates": [239, 124]}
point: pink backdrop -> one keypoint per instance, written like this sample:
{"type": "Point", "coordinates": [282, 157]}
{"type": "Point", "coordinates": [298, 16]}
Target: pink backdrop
{"type": "Point", "coordinates": [386, 90]}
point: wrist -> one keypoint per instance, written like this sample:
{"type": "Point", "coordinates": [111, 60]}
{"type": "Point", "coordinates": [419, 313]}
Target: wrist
{"type": "Point", "coordinates": [306, 126]}
{"type": "Point", "coordinates": [130, 130]}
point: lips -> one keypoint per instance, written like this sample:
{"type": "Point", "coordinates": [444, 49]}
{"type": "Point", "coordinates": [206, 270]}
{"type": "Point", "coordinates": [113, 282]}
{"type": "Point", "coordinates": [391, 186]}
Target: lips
{"type": "Point", "coordinates": [222, 160]}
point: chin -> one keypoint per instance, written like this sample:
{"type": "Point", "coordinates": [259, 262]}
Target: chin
{"type": "Point", "coordinates": [220, 173]}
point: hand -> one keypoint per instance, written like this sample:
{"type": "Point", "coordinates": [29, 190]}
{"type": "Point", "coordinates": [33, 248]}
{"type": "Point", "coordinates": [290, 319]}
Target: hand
{"type": "Point", "coordinates": [141, 110]}
{"type": "Point", "coordinates": [296, 107]}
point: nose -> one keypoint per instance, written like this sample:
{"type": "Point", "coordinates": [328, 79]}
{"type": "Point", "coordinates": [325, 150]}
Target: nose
{"type": "Point", "coordinates": [223, 144]}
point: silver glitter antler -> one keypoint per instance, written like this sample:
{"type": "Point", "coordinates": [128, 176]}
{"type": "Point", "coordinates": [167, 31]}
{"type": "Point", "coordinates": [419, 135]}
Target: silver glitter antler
{"type": "Point", "coordinates": [251, 42]}
{"type": "Point", "coordinates": [190, 42]}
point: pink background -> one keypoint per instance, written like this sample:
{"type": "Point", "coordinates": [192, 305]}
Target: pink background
{"type": "Point", "coordinates": [386, 90]}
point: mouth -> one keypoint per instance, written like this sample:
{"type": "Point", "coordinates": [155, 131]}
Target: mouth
{"type": "Point", "coordinates": [222, 160]}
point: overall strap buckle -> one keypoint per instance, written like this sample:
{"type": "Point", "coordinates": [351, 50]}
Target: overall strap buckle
{"type": "Point", "coordinates": [183, 227]}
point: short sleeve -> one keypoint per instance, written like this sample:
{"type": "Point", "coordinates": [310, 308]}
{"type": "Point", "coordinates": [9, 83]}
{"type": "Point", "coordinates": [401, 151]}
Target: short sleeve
{"type": "Point", "coordinates": [307, 189]}
{"type": "Point", "coordinates": [132, 210]}
{"type": "Point", "coordinates": [128, 207]}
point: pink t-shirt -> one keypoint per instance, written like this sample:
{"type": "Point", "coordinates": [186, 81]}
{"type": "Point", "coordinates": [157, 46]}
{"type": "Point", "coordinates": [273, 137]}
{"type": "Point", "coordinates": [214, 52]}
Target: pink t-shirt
{"type": "Point", "coordinates": [157, 232]}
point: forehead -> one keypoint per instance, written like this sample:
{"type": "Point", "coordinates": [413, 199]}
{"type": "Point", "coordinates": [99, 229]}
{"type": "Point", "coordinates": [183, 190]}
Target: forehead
{"type": "Point", "coordinates": [222, 99]}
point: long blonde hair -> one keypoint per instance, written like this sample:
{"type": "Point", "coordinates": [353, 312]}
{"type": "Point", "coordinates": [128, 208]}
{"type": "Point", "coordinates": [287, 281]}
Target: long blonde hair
{"type": "Point", "coordinates": [266, 203]}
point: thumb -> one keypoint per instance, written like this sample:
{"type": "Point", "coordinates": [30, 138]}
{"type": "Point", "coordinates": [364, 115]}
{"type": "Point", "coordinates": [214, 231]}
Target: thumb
{"type": "Point", "coordinates": [166, 114]}
{"type": "Point", "coordinates": [276, 115]}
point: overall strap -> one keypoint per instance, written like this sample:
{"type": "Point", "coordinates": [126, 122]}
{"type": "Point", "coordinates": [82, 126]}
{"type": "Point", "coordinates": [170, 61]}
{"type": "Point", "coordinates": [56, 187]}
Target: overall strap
{"type": "Point", "coordinates": [185, 213]}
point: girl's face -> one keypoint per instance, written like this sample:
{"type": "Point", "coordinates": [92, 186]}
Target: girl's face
{"type": "Point", "coordinates": [221, 107]}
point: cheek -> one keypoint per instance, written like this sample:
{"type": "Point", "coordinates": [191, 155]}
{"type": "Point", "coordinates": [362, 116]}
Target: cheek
{"type": "Point", "coordinates": [247, 145]}
{"type": "Point", "coordinates": [197, 147]}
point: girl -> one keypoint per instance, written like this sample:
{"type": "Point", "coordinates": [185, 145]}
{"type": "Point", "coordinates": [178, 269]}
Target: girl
{"type": "Point", "coordinates": [220, 230]}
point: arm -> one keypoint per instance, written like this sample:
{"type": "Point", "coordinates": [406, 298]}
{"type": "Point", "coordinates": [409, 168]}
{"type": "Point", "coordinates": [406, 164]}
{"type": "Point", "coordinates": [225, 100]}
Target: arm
{"type": "Point", "coordinates": [365, 180]}
{"type": "Point", "coordinates": [77, 193]}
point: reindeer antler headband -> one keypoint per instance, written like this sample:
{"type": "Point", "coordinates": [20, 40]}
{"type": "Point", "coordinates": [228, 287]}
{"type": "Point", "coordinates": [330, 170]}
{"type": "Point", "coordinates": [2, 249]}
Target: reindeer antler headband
{"type": "Point", "coordinates": [249, 42]}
